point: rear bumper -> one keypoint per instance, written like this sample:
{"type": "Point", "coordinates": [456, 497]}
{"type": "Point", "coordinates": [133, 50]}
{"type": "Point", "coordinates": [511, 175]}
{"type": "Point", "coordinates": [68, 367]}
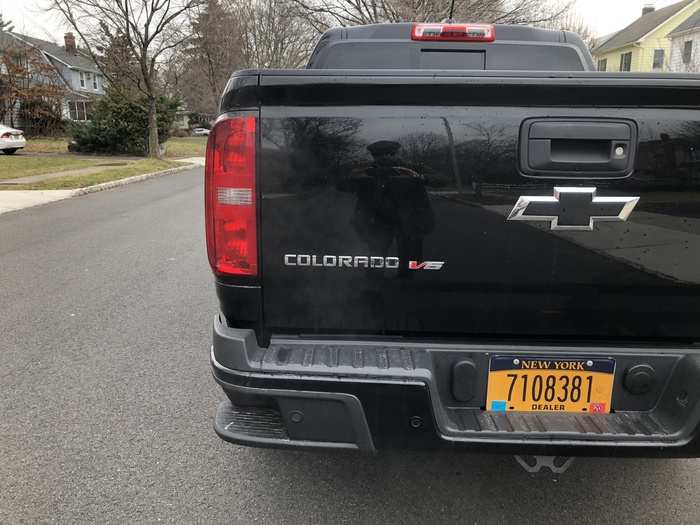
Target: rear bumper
{"type": "Point", "coordinates": [12, 144]}
{"type": "Point", "coordinates": [376, 395]}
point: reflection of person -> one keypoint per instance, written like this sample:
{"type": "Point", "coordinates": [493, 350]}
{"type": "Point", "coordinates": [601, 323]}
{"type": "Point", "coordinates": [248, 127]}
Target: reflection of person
{"type": "Point", "coordinates": [669, 150]}
{"type": "Point", "coordinates": [392, 203]}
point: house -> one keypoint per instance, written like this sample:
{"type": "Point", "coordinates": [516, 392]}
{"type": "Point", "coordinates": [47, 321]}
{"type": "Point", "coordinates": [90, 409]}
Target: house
{"type": "Point", "coordinates": [182, 119]}
{"type": "Point", "coordinates": [186, 119]}
{"type": "Point", "coordinates": [644, 46]}
{"type": "Point", "coordinates": [685, 46]}
{"type": "Point", "coordinates": [77, 72]}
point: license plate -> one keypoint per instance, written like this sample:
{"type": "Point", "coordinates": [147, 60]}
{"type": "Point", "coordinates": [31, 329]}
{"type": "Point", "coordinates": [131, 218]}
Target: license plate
{"type": "Point", "coordinates": [543, 384]}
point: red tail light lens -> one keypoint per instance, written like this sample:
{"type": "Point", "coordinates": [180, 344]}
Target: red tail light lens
{"type": "Point", "coordinates": [230, 197]}
{"type": "Point", "coordinates": [454, 32]}
{"type": "Point", "coordinates": [5, 136]}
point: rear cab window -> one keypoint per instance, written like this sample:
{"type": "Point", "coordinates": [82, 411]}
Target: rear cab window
{"type": "Point", "coordinates": [391, 48]}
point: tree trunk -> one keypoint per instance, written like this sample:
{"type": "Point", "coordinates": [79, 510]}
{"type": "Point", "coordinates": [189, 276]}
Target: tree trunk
{"type": "Point", "coordinates": [153, 144]}
{"type": "Point", "coordinates": [453, 155]}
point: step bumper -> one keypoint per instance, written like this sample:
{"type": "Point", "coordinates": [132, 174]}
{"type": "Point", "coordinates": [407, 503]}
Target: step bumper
{"type": "Point", "coordinates": [377, 395]}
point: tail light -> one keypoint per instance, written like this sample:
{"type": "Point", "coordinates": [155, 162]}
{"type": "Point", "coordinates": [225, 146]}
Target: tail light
{"type": "Point", "coordinates": [454, 32]}
{"type": "Point", "coordinates": [5, 136]}
{"type": "Point", "coordinates": [230, 197]}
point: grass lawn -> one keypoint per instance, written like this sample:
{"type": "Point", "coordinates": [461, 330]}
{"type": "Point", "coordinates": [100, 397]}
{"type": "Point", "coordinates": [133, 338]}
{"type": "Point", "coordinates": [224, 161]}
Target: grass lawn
{"type": "Point", "coordinates": [138, 167]}
{"type": "Point", "coordinates": [186, 147]}
{"type": "Point", "coordinates": [12, 167]}
{"type": "Point", "coordinates": [176, 146]}
{"type": "Point", "coordinates": [47, 145]}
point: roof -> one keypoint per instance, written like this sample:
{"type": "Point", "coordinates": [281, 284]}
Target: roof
{"type": "Point", "coordinates": [599, 41]}
{"type": "Point", "coordinates": [78, 60]}
{"type": "Point", "coordinates": [4, 40]}
{"type": "Point", "coordinates": [692, 23]}
{"type": "Point", "coordinates": [642, 27]}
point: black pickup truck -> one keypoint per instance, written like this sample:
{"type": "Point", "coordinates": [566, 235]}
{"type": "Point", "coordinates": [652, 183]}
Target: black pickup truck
{"type": "Point", "coordinates": [457, 235]}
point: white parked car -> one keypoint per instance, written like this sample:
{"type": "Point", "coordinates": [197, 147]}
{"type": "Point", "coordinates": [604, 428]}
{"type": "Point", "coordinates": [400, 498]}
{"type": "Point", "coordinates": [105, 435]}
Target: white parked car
{"type": "Point", "coordinates": [200, 132]}
{"type": "Point", "coordinates": [11, 140]}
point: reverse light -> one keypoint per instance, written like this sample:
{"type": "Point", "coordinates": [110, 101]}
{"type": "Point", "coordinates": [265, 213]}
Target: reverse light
{"type": "Point", "coordinates": [454, 32]}
{"type": "Point", "coordinates": [230, 197]}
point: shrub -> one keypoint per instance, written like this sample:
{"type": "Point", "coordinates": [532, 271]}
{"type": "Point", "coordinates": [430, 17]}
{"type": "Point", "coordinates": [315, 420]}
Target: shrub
{"type": "Point", "coordinates": [120, 125]}
{"type": "Point", "coordinates": [199, 120]}
{"type": "Point", "coordinates": [39, 118]}
{"type": "Point", "coordinates": [180, 133]}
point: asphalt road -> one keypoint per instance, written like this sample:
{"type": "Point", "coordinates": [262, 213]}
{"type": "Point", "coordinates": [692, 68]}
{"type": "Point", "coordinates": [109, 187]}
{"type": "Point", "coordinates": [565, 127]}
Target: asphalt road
{"type": "Point", "coordinates": [107, 400]}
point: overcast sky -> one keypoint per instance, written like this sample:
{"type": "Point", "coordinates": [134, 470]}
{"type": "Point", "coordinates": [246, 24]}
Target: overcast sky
{"type": "Point", "coordinates": [604, 16]}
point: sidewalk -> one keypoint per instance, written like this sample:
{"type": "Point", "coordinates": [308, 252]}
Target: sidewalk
{"type": "Point", "coordinates": [197, 161]}
{"type": "Point", "coordinates": [31, 179]}
{"type": "Point", "coordinates": [16, 200]}
{"type": "Point", "coordinates": [12, 200]}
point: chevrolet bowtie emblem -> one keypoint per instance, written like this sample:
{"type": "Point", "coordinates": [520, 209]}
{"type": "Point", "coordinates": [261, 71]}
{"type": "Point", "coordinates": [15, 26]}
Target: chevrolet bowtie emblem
{"type": "Point", "coordinates": [576, 209]}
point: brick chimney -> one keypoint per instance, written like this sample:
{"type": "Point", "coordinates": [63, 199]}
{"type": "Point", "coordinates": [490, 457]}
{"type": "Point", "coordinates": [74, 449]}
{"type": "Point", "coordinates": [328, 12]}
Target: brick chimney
{"type": "Point", "coordinates": [69, 39]}
{"type": "Point", "coordinates": [648, 8]}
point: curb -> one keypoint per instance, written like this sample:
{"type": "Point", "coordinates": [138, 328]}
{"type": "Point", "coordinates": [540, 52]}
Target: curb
{"type": "Point", "coordinates": [129, 180]}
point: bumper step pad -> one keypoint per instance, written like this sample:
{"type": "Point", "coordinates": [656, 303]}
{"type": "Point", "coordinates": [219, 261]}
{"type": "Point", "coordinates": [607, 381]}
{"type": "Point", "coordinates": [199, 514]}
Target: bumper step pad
{"type": "Point", "coordinates": [255, 422]}
{"type": "Point", "coordinates": [581, 426]}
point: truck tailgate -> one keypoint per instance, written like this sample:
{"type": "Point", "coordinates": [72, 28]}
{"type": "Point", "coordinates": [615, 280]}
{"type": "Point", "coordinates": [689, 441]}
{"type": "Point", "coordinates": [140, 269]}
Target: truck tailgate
{"type": "Point", "coordinates": [384, 203]}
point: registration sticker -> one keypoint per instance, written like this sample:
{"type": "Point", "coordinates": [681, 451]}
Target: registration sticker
{"type": "Point", "coordinates": [499, 406]}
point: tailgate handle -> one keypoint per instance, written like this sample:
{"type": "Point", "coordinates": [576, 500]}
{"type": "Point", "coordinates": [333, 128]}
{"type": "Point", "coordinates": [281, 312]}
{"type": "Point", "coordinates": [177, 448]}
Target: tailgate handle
{"type": "Point", "coordinates": [557, 148]}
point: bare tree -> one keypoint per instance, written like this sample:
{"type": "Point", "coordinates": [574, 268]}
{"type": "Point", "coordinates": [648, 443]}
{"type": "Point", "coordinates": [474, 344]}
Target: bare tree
{"type": "Point", "coordinates": [6, 25]}
{"type": "Point", "coordinates": [149, 32]}
{"type": "Point", "coordinates": [323, 14]}
{"type": "Point", "coordinates": [491, 11]}
{"type": "Point", "coordinates": [29, 86]}
{"type": "Point", "coordinates": [273, 37]}
{"type": "Point", "coordinates": [214, 51]}
{"type": "Point", "coordinates": [572, 21]}
{"type": "Point", "coordinates": [228, 35]}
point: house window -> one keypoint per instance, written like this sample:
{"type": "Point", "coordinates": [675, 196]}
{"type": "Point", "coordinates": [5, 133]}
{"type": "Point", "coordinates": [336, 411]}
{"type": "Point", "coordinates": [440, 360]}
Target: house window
{"type": "Point", "coordinates": [603, 64]}
{"type": "Point", "coordinates": [687, 52]}
{"type": "Point", "coordinates": [626, 61]}
{"type": "Point", "coordinates": [659, 57]}
{"type": "Point", "coordinates": [80, 110]}
{"type": "Point", "coordinates": [95, 83]}
{"type": "Point", "coordinates": [82, 79]}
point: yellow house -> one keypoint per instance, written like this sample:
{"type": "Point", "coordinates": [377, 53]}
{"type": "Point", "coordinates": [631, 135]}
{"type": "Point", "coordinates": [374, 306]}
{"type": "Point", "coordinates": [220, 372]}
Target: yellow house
{"type": "Point", "coordinates": [644, 46]}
